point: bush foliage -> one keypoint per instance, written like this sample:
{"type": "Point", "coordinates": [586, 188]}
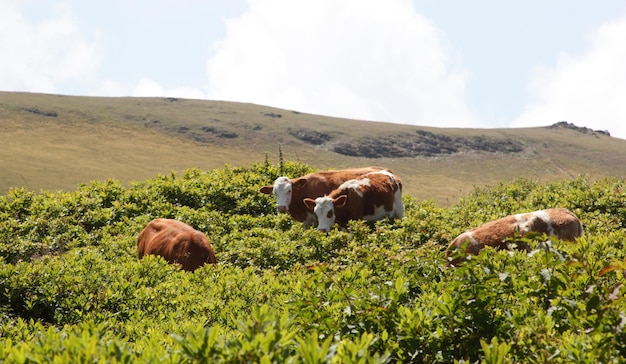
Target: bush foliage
{"type": "Point", "coordinates": [73, 290]}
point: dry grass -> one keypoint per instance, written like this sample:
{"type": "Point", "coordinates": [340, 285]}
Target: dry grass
{"type": "Point", "coordinates": [58, 142]}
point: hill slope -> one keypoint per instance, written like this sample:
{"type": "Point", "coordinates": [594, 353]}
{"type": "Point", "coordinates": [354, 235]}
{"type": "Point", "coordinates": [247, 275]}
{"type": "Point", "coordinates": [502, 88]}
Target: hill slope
{"type": "Point", "coordinates": [57, 142]}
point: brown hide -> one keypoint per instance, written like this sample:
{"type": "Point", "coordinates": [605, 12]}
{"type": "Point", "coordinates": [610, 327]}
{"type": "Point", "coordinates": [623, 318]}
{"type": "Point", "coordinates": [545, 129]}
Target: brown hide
{"type": "Point", "coordinates": [561, 223]}
{"type": "Point", "coordinates": [315, 185]}
{"type": "Point", "coordinates": [176, 242]}
{"type": "Point", "coordinates": [379, 192]}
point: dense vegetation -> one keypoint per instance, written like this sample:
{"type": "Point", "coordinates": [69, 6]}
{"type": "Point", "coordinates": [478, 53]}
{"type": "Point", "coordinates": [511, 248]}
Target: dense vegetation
{"type": "Point", "coordinates": [72, 289]}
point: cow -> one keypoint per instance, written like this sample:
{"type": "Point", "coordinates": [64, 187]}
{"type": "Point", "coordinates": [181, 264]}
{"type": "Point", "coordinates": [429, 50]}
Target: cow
{"type": "Point", "coordinates": [290, 193]}
{"type": "Point", "coordinates": [558, 222]}
{"type": "Point", "coordinates": [373, 196]}
{"type": "Point", "coordinates": [177, 242]}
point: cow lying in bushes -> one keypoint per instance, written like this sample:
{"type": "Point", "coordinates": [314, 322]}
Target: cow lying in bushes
{"type": "Point", "coordinates": [177, 242]}
{"type": "Point", "coordinates": [561, 223]}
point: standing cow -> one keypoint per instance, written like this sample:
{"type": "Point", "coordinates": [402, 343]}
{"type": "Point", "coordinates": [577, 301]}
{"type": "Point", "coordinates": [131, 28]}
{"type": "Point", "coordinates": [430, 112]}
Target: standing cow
{"type": "Point", "coordinates": [371, 197]}
{"type": "Point", "coordinates": [290, 193]}
{"type": "Point", "coordinates": [559, 222]}
{"type": "Point", "coordinates": [177, 242]}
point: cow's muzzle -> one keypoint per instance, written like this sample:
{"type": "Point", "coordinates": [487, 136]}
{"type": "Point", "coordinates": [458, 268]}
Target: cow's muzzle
{"type": "Point", "coordinates": [282, 209]}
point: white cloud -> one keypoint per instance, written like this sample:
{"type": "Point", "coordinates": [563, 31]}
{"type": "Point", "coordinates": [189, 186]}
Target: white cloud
{"type": "Point", "coordinates": [584, 89]}
{"type": "Point", "coordinates": [148, 88]}
{"type": "Point", "coordinates": [39, 56]}
{"type": "Point", "coordinates": [368, 60]}
{"type": "Point", "coordinates": [151, 88]}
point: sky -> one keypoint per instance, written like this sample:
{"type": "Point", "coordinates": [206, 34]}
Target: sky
{"type": "Point", "coordinates": [455, 63]}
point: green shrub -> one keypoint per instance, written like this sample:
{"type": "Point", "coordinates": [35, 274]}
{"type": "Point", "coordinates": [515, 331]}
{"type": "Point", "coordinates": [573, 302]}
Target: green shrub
{"type": "Point", "coordinates": [72, 288]}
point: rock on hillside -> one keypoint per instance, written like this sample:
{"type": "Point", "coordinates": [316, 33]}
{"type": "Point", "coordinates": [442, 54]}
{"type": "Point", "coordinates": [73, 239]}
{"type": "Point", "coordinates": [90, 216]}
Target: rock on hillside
{"type": "Point", "coordinates": [425, 144]}
{"type": "Point", "coordinates": [584, 129]}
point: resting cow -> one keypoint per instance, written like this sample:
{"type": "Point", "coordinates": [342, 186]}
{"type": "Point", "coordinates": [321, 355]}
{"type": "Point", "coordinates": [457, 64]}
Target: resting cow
{"type": "Point", "coordinates": [561, 223]}
{"type": "Point", "coordinates": [290, 193]}
{"type": "Point", "coordinates": [177, 242]}
{"type": "Point", "coordinates": [371, 197]}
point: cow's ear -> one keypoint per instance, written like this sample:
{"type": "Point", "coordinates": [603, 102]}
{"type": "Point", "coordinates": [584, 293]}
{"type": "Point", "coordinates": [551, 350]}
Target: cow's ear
{"type": "Point", "coordinates": [309, 203]}
{"type": "Point", "coordinates": [340, 201]}
{"type": "Point", "coordinates": [267, 189]}
{"type": "Point", "coordinates": [299, 183]}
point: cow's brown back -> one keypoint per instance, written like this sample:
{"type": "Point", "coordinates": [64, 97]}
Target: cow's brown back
{"type": "Point", "coordinates": [176, 242]}
{"type": "Point", "coordinates": [567, 225]}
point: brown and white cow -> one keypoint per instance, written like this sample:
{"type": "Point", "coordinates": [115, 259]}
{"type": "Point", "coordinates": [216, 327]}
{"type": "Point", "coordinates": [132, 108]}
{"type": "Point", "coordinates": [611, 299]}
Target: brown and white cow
{"type": "Point", "coordinates": [177, 242]}
{"type": "Point", "coordinates": [290, 193]}
{"type": "Point", "coordinates": [559, 222]}
{"type": "Point", "coordinates": [371, 197]}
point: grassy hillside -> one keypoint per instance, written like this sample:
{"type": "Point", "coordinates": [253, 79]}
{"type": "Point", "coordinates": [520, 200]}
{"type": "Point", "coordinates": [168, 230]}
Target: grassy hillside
{"type": "Point", "coordinates": [58, 142]}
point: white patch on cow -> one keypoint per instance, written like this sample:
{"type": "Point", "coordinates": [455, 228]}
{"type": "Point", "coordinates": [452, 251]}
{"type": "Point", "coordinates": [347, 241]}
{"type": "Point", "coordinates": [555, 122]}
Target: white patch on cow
{"type": "Point", "coordinates": [472, 239]}
{"type": "Point", "coordinates": [383, 171]}
{"type": "Point", "coordinates": [355, 184]}
{"type": "Point", "coordinates": [282, 190]}
{"type": "Point", "coordinates": [521, 223]}
{"type": "Point", "coordinates": [398, 205]}
{"type": "Point", "coordinates": [379, 214]}
{"type": "Point", "coordinates": [323, 205]}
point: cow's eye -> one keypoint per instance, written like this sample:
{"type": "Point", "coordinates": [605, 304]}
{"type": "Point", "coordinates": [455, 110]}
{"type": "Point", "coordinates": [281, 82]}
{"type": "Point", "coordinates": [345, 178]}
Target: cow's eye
{"type": "Point", "coordinates": [330, 214]}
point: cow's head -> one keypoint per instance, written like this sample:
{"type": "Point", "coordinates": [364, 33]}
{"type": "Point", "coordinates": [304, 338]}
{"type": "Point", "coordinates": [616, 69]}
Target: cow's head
{"type": "Point", "coordinates": [324, 209]}
{"type": "Point", "coordinates": [283, 189]}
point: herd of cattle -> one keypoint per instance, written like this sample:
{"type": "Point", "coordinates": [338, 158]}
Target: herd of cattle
{"type": "Point", "coordinates": [370, 193]}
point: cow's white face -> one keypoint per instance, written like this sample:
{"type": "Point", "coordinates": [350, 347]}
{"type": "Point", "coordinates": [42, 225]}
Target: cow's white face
{"type": "Point", "coordinates": [282, 189]}
{"type": "Point", "coordinates": [324, 209]}
{"type": "Point", "coordinates": [325, 212]}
